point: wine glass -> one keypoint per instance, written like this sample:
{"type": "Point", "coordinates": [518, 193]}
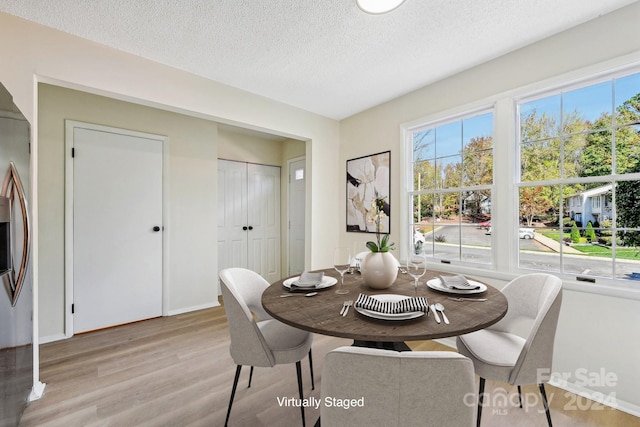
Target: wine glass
{"type": "Point", "coordinates": [342, 263]}
{"type": "Point", "coordinates": [416, 267]}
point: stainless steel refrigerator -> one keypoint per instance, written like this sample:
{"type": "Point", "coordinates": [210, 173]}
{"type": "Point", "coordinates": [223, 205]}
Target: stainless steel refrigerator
{"type": "Point", "coordinates": [16, 301]}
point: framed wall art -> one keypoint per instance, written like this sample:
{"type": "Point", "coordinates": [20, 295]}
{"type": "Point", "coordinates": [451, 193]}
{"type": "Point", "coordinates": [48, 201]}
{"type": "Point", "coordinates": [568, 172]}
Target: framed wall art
{"type": "Point", "coordinates": [368, 191]}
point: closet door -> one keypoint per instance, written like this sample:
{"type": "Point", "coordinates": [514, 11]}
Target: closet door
{"type": "Point", "coordinates": [264, 220]}
{"type": "Point", "coordinates": [249, 217]}
{"type": "Point", "coordinates": [232, 214]}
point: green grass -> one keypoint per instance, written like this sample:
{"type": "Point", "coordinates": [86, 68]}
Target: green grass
{"type": "Point", "coordinates": [595, 250]}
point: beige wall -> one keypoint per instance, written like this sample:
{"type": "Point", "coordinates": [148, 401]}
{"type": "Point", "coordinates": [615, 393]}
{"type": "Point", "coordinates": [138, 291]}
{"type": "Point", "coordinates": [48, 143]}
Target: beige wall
{"type": "Point", "coordinates": [590, 335]}
{"type": "Point", "coordinates": [192, 177]}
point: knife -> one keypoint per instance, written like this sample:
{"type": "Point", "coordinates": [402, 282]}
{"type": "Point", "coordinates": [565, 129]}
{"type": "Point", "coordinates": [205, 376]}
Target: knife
{"type": "Point", "coordinates": [435, 313]}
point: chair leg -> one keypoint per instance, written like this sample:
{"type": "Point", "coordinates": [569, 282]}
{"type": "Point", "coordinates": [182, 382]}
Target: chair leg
{"type": "Point", "coordinates": [250, 377]}
{"type": "Point", "coordinates": [299, 372]}
{"type": "Point", "coordinates": [233, 393]}
{"type": "Point", "coordinates": [313, 384]}
{"type": "Point", "coordinates": [546, 403]}
{"type": "Point", "coordinates": [480, 397]}
{"type": "Point", "coordinates": [520, 396]}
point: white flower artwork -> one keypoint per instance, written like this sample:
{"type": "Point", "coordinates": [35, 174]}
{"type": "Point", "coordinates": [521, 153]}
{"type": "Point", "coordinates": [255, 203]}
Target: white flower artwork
{"type": "Point", "coordinates": [367, 187]}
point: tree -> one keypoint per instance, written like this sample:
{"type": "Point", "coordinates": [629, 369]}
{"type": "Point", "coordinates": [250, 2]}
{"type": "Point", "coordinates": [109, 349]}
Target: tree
{"type": "Point", "coordinates": [628, 208]}
{"type": "Point", "coordinates": [575, 234]}
{"type": "Point", "coordinates": [534, 201]}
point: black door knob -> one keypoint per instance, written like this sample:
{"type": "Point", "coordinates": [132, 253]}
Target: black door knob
{"type": "Point", "coordinates": [156, 228]}
{"type": "Point", "coordinates": [250, 227]}
{"type": "Point", "coordinates": [245, 228]}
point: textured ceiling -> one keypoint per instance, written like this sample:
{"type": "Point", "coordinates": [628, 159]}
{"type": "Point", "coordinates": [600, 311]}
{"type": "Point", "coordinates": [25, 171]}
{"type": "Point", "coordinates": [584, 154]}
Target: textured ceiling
{"type": "Point", "coordinates": [324, 56]}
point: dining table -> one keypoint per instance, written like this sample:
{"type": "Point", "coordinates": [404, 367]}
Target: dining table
{"type": "Point", "coordinates": [320, 313]}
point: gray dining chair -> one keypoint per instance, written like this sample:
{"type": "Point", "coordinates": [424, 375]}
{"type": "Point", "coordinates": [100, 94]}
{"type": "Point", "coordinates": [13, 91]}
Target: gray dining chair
{"type": "Point", "coordinates": [391, 388]}
{"type": "Point", "coordinates": [256, 338]}
{"type": "Point", "coordinates": [519, 348]}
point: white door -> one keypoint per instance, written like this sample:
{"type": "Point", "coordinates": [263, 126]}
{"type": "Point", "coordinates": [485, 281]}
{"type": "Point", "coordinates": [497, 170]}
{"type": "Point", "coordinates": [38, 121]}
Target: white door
{"type": "Point", "coordinates": [263, 220]}
{"type": "Point", "coordinates": [117, 228]}
{"type": "Point", "coordinates": [297, 187]}
{"type": "Point", "coordinates": [232, 214]}
{"type": "Point", "coordinates": [249, 217]}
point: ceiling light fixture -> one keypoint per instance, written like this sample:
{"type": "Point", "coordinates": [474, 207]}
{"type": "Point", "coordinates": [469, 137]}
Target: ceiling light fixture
{"type": "Point", "coordinates": [377, 7]}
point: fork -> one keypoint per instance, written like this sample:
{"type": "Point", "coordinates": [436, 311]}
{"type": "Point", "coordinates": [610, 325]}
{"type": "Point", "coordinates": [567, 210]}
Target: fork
{"type": "Point", "coordinates": [466, 299]}
{"type": "Point", "coordinates": [345, 308]}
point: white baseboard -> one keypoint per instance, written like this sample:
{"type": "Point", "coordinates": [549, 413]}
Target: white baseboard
{"type": "Point", "coordinates": [193, 308]}
{"type": "Point", "coordinates": [37, 391]}
{"type": "Point", "coordinates": [608, 400]}
{"type": "Point", "coordinates": [52, 338]}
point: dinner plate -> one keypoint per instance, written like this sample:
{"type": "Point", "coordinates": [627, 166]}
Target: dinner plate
{"type": "Point", "coordinates": [389, 316]}
{"type": "Point", "coordinates": [436, 284]}
{"type": "Point", "coordinates": [327, 282]}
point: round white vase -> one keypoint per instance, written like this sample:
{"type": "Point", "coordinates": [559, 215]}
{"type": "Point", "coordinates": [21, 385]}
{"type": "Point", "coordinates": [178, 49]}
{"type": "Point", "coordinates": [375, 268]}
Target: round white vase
{"type": "Point", "coordinates": [379, 269]}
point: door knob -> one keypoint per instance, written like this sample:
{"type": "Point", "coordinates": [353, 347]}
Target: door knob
{"type": "Point", "coordinates": [250, 227]}
{"type": "Point", "coordinates": [156, 228]}
{"type": "Point", "coordinates": [245, 228]}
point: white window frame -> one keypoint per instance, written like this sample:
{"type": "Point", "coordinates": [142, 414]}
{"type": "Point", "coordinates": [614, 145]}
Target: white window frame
{"type": "Point", "coordinates": [506, 153]}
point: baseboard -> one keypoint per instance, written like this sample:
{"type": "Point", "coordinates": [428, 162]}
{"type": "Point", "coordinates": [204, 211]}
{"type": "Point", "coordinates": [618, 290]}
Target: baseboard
{"type": "Point", "coordinates": [608, 400]}
{"type": "Point", "coordinates": [37, 391]}
{"type": "Point", "coordinates": [52, 338]}
{"type": "Point", "coordinates": [193, 308]}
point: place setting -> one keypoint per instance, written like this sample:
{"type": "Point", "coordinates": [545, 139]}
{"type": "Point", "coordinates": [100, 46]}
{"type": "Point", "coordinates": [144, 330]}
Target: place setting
{"type": "Point", "coordinates": [308, 283]}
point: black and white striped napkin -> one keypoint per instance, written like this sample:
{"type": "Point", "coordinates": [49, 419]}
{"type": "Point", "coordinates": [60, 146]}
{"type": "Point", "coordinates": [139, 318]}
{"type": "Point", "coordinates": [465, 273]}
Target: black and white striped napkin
{"type": "Point", "coordinates": [407, 305]}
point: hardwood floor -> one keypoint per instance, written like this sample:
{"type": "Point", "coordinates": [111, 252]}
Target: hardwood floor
{"type": "Point", "coordinates": [176, 371]}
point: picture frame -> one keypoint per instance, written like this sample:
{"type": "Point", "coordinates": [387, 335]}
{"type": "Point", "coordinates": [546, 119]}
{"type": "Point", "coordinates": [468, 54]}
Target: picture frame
{"type": "Point", "coordinates": [368, 180]}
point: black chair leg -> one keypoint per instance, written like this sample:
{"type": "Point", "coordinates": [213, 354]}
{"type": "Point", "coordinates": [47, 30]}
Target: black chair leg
{"type": "Point", "coordinates": [546, 403]}
{"type": "Point", "coordinates": [250, 377]}
{"type": "Point", "coordinates": [480, 397]}
{"type": "Point", "coordinates": [233, 393]}
{"type": "Point", "coordinates": [299, 372]}
{"type": "Point", "coordinates": [313, 384]}
{"type": "Point", "coordinates": [520, 396]}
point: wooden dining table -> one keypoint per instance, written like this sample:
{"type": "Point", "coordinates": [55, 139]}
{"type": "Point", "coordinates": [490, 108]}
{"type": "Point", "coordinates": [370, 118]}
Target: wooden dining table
{"type": "Point", "coordinates": [321, 313]}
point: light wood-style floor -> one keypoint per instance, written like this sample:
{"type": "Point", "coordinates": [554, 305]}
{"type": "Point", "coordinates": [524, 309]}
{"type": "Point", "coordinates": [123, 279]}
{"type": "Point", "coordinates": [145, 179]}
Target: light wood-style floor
{"type": "Point", "coordinates": [176, 371]}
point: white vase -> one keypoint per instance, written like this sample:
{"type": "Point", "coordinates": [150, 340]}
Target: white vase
{"type": "Point", "coordinates": [379, 269]}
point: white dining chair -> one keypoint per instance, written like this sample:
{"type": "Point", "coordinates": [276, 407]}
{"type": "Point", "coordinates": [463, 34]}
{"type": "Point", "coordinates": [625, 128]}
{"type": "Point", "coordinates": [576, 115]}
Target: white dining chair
{"type": "Point", "coordinates": [256, 338]}
{"type": "Point", "coordinates": [519, 348]}
{"type": "Point", "coordinates": [391, 388]}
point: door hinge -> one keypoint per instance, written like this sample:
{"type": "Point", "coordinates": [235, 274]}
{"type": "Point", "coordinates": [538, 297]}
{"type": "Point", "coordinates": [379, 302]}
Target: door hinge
{"type": "Point", "coordinates": [73, 308]}
{"type": "Point", "coordinates": [73, 152]}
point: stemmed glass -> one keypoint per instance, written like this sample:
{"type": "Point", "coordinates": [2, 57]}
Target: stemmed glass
{"type": "Point", "coordinates": [416, 267]}
{"type": "Point", "coordinates": [342, 263]}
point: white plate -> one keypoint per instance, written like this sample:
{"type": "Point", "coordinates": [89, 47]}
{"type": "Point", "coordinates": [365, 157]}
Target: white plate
{"type": "Point", "coordinates": [389, 316]}
{"type": "Point", "coordinates": [327, 282]}
{"type": "Point", "coordinates": [436, 284]}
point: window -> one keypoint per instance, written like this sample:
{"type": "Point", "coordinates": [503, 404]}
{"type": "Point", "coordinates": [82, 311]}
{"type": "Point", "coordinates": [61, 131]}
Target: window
{"type": "Point", "coordinates": [451, 164]}
{"type": "Point", "coordinates": [579, 170]}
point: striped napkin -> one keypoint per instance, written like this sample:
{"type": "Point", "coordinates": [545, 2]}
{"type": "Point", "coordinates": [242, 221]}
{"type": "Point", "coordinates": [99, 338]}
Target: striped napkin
{"type": "Point", "coordinates": [405, 306]}
{"type": "Point", "coordinates": [458, 282]}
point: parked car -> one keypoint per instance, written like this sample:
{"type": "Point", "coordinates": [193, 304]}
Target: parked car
{"type": "Point", "coordinates": [523, 233]}
{"type": "Point", "coordinates": [485, 224]}
{"type": "Point", "coordinates": [418, 237]}
{"type": "Point", "coordinates": [526, 233]}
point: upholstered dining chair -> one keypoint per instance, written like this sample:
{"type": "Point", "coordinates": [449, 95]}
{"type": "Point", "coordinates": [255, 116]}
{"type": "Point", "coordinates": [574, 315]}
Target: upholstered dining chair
{"type": "Point", "coordinates": [256, 338]}
{"type": "Point", "coordinates": [390, 388]}
{"type": "Point", "coordinates": [519, 348]}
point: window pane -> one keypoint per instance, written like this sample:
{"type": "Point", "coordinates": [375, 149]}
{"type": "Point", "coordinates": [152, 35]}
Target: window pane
{"type": "Point", "coordinates": [450, 171]}
{"type": "Point", "coordinates": [627, 149]}
{"type": "Point", "coordinates": [627, 254]}
{"type": "Point", "coordinates": [540, 160]}
{"type": "Point", "coordinates": [476, 245]}
{"type": "Point", "coordinates": [627, 91]}
{"type": "Point", "coordinates": [447, 240]}
{"type": "Point", "coordinates": [449, 139]}
{"type": "Point", "coordinates": [477, 167]}
{"type": "Point", "coordinates": [478, 127]}
{"type": "Point", "coordinates": [424, 145]}
{"type": "Point", "coordinates": [587, 107]}
{"type": "Point", "coordinates": [424, 175]}
{"type": "Point", "coordinates": [540, 119]}
{"type": "Point", "coordinates": [596, 158]}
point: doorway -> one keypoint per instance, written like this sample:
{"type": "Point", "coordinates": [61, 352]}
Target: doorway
{"type": "Point", "coordinates": [113, 226]}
